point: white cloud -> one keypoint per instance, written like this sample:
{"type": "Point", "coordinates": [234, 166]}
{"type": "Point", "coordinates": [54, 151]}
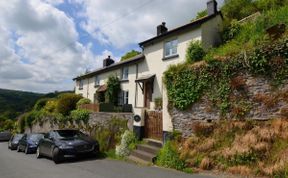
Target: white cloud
{"type": "Point", "coordinates": [48, 53]}
{"type": "Point", "coordinates": [120, 23]}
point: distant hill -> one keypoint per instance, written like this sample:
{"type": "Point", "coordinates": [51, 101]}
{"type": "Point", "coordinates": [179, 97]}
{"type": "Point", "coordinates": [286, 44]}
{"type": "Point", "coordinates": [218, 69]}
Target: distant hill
{"type": "Point", "coordinates": [13, 102]}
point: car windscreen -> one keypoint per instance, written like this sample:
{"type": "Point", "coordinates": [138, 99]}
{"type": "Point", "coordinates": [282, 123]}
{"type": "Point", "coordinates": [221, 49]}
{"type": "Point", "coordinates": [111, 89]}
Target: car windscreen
{"type": "Point", "coordinates": [62, 134]}
{"type": "Point", "coordinates": [17, 137]}
{"type": "Point", "coordinates": [35, 137]}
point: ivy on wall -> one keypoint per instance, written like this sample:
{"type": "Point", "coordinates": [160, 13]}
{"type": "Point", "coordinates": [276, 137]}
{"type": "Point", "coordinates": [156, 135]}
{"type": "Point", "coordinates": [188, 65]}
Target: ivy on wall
{"type": "Point", "coordinates": [186, 83]}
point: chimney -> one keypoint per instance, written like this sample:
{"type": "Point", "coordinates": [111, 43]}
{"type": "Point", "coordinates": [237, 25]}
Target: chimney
{"type": "Point", "coordinates": [108, 61]}
{"type": "Point", "coordinates": [161, 29]}
{"type": "Point", "coordinates": [211, 7]}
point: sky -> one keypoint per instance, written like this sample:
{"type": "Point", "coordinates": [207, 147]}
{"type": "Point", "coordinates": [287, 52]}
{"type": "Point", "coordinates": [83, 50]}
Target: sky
{"type": "Point", "coordinates": [46, 43]}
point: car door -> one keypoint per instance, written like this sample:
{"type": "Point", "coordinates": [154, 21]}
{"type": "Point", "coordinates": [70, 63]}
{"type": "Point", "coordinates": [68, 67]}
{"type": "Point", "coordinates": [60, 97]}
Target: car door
{"type": "Point", "coordinates": [47, 143]}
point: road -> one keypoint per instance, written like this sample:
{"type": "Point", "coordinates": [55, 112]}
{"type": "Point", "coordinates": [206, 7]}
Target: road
{"type": "Point", "coordinates": [19, 165]}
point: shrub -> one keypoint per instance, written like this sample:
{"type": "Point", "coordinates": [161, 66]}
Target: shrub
{"type": "Point", "coordinates": [158, 103]}
{"type": "Point", "coordinates": [51, 106]}
{"type": "Point", "coordinates": [231, 31]}
{"type": "Point", "coordinates": [169, 157]}
{"type": "Point", "coordinates": [83, 101]}
{"type": "Point", "coordinates": [127, 143]}
{"type": "Point", "coordinates": [67, 102]}
{"type": "Point", "coordinates": [109, 135]}
{"type": "Point", "coordinates": [194, 52]}
{"type": "Point", "coordinates": [80, 115]}
{"type": "Point", "coordinates": [40, 104]}
{"type": "Point", "coordinates": [113, 89]}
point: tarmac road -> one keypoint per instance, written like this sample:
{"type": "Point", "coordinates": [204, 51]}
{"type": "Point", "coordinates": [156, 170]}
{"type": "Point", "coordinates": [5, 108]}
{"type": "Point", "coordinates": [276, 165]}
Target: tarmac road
{"type": "Point", "coordinates": [19, 165]}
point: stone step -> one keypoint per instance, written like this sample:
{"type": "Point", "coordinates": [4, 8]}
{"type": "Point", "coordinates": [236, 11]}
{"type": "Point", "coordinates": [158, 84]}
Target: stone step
{"type": "Point", "coordinates": [148, 148]}
{"type": "Point", "coordinates": [155, 143]}
{"type": "Point", "coordinates": [138, 160]}
{"type": "Point", "coordinates": [143, 155]}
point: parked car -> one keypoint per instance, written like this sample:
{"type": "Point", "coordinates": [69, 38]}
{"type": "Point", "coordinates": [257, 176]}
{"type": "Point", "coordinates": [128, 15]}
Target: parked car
{"type": "Point", "coordinates": [60, 144]}
{"type": "Point", "coordinates": [5, 136]}
{"type": "Point", "coordinates": [14, 141]}
{"type": "Point", "coordinates": [29, 142]}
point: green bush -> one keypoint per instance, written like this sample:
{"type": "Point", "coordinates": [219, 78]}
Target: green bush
{"type": "Point", "coordinates": [194, 52]}
{"type": "Point", "coordinates": [80, 115]}
{"type": "Point", "coordinates": [169, 157]}
{"type": "Point", "coordinates": [67, 102]}
{"type": "Point", "coordinates": [231, 31]}
{"type": "Point", "coordinates": [51, 106]}
{"type": "Point", "coordinates": [109, 135]}
{"type": "Point", "coordinates": [40, 104]}
{"type": "Point", "coordinates": [83, 101]}
{"type": "Point", "coordinates": [113, 89]}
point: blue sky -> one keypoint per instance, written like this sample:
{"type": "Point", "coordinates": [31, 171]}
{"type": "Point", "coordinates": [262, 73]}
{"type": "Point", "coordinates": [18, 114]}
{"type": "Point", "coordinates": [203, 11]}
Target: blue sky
{"type": "Point", "coordinates": [45, 43]}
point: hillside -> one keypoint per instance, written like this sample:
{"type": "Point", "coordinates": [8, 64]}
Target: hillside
{"type": "Point", "coordinates": [14, 102]}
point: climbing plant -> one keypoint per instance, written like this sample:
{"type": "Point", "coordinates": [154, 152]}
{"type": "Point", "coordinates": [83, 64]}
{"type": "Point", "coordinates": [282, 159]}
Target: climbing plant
{"type": "Point", "coordinates": [113, 89]}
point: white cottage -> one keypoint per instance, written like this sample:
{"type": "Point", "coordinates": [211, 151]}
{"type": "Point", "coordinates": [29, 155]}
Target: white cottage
{"type": "Point", "coordinates": [141, 76]}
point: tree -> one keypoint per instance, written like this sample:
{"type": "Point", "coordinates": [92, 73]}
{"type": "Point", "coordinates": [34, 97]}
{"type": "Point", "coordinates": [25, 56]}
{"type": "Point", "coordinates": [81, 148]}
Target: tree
{"type": "Point", "coordinates": [130, 54]}
{"type": "Point", "coordinates": [113, 88]}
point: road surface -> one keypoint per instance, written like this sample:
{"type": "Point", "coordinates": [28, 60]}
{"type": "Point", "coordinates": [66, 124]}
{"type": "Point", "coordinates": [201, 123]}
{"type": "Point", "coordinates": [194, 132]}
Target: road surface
{"type": "Point", "coordinates": [19, 165]}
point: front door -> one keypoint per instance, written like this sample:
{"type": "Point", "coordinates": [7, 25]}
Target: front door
{"type": "Point", "coordinates": [153, 125]}
{"type": "Point", "coordinates": [147, 94]}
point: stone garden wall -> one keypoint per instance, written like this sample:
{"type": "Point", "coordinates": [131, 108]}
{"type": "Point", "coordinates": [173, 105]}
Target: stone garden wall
{"type": "Point", "coordinates": [254, 98]}
{"type": "Point", "coordinates": [95, 119]}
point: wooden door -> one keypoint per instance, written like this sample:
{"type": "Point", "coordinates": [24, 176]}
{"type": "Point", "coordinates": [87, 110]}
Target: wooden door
{"type": "Point", "coordinates": [153, 125]}
{"type": "Point", "coordinates": [147, 94]}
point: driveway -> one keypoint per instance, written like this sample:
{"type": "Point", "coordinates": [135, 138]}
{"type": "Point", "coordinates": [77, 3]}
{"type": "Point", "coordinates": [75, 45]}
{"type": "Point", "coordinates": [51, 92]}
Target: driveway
{"type": "Point", "coordinates": [19, 165]}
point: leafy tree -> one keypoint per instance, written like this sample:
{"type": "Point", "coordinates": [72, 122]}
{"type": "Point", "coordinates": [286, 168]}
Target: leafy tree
{"type": "Point", "coordinates": [113, 88]}
{"type": "Point", "coordinates": [130, 54]}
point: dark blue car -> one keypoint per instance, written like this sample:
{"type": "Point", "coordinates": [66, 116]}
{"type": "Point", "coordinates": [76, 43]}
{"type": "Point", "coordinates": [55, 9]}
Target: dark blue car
{"type": "Point", "coordinates": [29, 142]}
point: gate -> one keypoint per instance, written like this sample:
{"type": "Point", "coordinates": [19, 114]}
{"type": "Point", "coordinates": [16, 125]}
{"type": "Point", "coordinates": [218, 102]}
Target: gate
{"type": "Point", "coordinates": [153, 124]}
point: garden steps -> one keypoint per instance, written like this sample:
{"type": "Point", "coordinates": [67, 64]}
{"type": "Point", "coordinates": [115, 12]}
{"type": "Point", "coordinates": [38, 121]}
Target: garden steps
{"type": "Point", "coordinates": [146, 153]}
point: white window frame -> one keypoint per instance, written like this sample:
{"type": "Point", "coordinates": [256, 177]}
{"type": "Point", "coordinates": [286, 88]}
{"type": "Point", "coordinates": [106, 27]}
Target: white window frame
{"type": "Point", "coordinates": [125, 97]}
{"type": "Point", "coordinates": [97, 80]}
{"type": "Point", "coordinates": [125, 73]}
{"type": "Point", "coordinates": [171, 46]}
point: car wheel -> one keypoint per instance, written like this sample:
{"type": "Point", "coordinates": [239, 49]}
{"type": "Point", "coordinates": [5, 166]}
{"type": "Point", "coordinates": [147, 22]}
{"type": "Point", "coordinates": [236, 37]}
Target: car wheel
{"type": "Point", "coordinates": [56, 156]}
{"type": "Point", "coordinates": [18, 148]}
{"type": "Point", "coordinates": [26, 150]}
{"type": "Point", "coordinates": [38, 154]}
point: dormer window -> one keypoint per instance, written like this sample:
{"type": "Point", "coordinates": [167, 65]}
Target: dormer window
{"type": "Point", "coordinates": [97, 81]}
{"type": "Point", "coordinates": [125, 73]}
{"type": "Point", "coordinates": [170, 48]}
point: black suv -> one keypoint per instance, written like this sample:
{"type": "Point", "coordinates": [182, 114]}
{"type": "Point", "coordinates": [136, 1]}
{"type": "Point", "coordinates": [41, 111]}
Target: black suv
{"type": "Point", "coordinates": [60, 144]}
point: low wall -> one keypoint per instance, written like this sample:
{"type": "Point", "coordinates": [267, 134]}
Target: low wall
{"type": "Point", "coordinates": [95, 119]}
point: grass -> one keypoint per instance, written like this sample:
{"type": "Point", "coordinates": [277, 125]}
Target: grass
{"type": "Point", "coordinates": [240, 147]}
{"type": "Point", "coordinates": [251, 34]}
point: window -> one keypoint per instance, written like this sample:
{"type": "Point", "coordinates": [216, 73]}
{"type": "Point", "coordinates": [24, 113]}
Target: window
{"type": "Point", "coordinates": [170, 48]}
{"type": "Point", "coordinates": [123, 98]}
{"type": "Point", "coordinates": [80, 84]}
{"type": "Point", "coordinates": [125, 72]}
{"type": "Point", "coordinates": [97, 81]}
